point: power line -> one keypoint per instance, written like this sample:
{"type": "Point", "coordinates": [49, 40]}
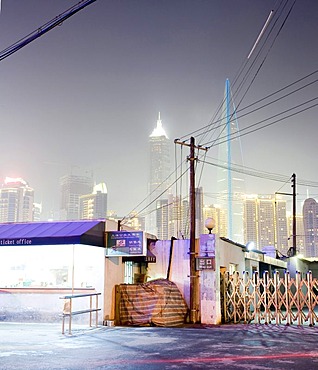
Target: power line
{"type": "Point", "coordinates": [206, 128]}
{"type": "Point", "coordinates": [155, 199]}
{"type": "Point", "coordinates": [224, 139]}
{"type": "Point", "coordinates": [57, 21]}
{"type": "Point", "coordinates": [260, 174]}
{"type": "Point", "coordinates": [253, 63]}
{"type": "Point", "coordinates": [261, 100]}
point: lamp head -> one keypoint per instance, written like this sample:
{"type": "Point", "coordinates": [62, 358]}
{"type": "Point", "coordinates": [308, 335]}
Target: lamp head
{"type": "Point", "coordinates": [209, 224]}
{"type": "Point", "coordinates": [250, 246]}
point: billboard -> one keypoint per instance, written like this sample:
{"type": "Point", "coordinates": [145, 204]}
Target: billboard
{"type": "Point", "coordinates": [125, 243]}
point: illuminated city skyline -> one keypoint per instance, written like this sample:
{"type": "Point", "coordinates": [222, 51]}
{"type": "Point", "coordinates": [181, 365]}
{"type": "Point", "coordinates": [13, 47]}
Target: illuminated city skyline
{"type": "Point", "coordinates": [266, 220]}
{"type": "Point", "coordinates": [86, 93]}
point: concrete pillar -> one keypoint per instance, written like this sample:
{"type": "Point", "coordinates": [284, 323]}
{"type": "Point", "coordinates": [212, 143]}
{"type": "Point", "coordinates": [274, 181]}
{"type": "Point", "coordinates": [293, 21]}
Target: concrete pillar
{"type": "Point", "coordinates": [210, 298]}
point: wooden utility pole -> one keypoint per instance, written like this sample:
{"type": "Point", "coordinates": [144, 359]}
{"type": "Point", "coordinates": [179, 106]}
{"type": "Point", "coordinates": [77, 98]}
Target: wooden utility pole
{"type": "Point", "coordinates": [193, 274]}
{"type": "Point", "coordinates": [194, 293]}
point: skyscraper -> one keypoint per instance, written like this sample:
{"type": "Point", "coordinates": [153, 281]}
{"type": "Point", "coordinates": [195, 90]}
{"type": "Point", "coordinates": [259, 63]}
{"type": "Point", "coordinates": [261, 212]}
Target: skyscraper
{"type": "Point", "coordinates": [16, 201]}
{"type": "Point", "coordinates": [199, 221]}
{"type": "Point", "coordinates": [37, 211]}
{"type": "Point", "coordinates": [310, 216]}
{"type": "Point", "coordinates": [250, 217]}
{"type": "Point", "coordinates": [94, 206]}
{"type": "Point", "coordinates": [162, 219]}
{"type": "Point", "coordinates": [72, 187]}
{"type": "Point", "coordinates": [219, 215]}
{"type": "Point", "coordinates": [159, 171]}
{"type": "Point", "coordinates": [265, 222]}
{"type": "Point", "coordinates": [179, 224]}
{"type": "Point", "coordinates": [281, 225]}
{"type": "Point", "coordinates": [300, 233]}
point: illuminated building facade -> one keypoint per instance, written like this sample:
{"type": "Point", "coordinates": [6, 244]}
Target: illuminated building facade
{"type": "Point", "coordinates": [133, 220]}
{"type": "Point", "coordinates": [71, 188]}
{"type": "Point", "coordinates": [219, 215]}
{"type": "Point", "coordinates": [158, 185]}
{"type": "Point", "coordinates": [265, 222]}
{"type": "Point", "coordinates": [37, 211]}
{"type": "Point", "coordinates": [281, 225]}
{"type": "Point", "coordinates": [162, 219]}
{"type": "Point", "coordinates": [94, 206]}
{"type": "Point", "coordinates": [199, 221]}
{"type": "Point", "coordinates": [16, 201]}
{"type": "Point", "coordinates": [300, 233]}
{"type": "Point", "coordinates": [310, 216]}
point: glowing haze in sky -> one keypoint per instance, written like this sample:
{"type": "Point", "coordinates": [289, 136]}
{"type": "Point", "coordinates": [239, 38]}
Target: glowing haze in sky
{"type": "Point", "coordinates": [86, 95]}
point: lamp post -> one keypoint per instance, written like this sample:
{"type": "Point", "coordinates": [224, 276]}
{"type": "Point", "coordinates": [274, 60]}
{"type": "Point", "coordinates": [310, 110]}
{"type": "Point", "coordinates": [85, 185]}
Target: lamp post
{"type": "Point", "coordinates": [209, 224]}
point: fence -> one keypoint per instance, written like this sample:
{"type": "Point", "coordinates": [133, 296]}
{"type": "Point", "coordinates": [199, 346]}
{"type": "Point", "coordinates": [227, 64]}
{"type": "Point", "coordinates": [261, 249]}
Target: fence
{"type": "Point", "coordinates": [270, 300]}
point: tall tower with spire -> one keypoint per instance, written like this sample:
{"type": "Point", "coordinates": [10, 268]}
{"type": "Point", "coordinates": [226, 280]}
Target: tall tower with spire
{"type": "Point", "coordinates": [159, 171]}
{"type": "Point", "coordinates": [231, 186]}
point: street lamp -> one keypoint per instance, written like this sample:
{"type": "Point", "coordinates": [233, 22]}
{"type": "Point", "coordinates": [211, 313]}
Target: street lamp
{"type": "Point", "coordinates": [250, 246]}
{"type": "Point", "coordinates": [209, 224]}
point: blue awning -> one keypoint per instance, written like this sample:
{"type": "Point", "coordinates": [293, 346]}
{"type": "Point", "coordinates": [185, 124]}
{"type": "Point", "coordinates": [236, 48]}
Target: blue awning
{"type": "Point", "coordinates": [51, 233]}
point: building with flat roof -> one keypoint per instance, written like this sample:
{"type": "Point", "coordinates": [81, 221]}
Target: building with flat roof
{"type": "Point", "coordinates": [71, 188]}
{"type": "Point", "coordinates": [94, 205]}
{"type": "Point", "coordinates": [16, 201]}
{"type": "Point", "coordinates": [310, 217]}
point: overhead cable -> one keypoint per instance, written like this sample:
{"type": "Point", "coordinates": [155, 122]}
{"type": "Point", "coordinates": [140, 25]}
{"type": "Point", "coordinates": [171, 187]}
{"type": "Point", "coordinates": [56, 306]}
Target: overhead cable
{"type": "Point", "coordinates": [57, 21]}
{"type": "Point", "coordinates": [239, 134]}
{"type": "Point", "coordinates": [260, 174]}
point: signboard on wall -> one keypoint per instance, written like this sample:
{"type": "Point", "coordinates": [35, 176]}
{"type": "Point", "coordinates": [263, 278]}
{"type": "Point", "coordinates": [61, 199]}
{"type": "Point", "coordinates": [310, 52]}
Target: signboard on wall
{"type": "Point", "coordinates": [205, 263]}
{"type": "Point", "coordinates": [125, 243]}
{"type": "Point", "coordinates": [207, 245]}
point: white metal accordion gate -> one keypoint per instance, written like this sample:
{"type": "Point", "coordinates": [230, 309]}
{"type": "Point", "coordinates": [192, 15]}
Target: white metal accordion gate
{"type": "Point", "coordinates": [278, 300]}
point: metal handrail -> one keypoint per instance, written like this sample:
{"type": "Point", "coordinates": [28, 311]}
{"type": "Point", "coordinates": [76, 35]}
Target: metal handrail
{"type": "Point", "coordinates": [67, 310]}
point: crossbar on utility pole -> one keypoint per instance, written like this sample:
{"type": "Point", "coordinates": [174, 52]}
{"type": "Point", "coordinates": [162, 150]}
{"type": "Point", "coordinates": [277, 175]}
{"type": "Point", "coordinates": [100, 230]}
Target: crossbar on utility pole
{"type": "Point", "coordinates": [193, 273]}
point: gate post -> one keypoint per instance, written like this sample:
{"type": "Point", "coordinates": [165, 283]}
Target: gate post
{"type": "Point", "coordinates": [310, 305]}
{"type": "Point", "coordinates": [287, 278]}
{"type": "Point", "coordinates": [236, 296]}
{"type": "Point", "coordinates": [276, 283]}
{"type": "Point", "coordinates": [256, 293]}
{"type": "Point", "coordinates": [266, 308]}
{"type": "Point", "coordinates": [298, 288]}
{"type": "Point", "coordinates": [245, 296]}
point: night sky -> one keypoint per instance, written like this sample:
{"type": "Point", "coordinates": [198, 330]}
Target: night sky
{"type": "Point", "coordinates": [86, 95]}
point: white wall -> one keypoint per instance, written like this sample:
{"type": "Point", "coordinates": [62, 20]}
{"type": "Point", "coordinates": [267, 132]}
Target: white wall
{"type": "Point", "coordinates": [209, 281]}
{"type": "Point", "coordinates": [114, 275]}
{"type": "Point", "coordinates": [231, 254]}
{"type": "Point", "coordinates": [180, 264]}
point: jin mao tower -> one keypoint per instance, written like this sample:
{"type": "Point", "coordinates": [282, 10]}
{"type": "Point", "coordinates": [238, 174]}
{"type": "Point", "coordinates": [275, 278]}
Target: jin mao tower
{"type": "Point", "coordinates": [159, 171]}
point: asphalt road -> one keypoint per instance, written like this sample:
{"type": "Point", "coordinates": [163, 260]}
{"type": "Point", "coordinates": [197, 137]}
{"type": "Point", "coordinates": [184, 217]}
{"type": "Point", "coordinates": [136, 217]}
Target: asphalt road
{"type": "Point", "coordinates": [42, 346]}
